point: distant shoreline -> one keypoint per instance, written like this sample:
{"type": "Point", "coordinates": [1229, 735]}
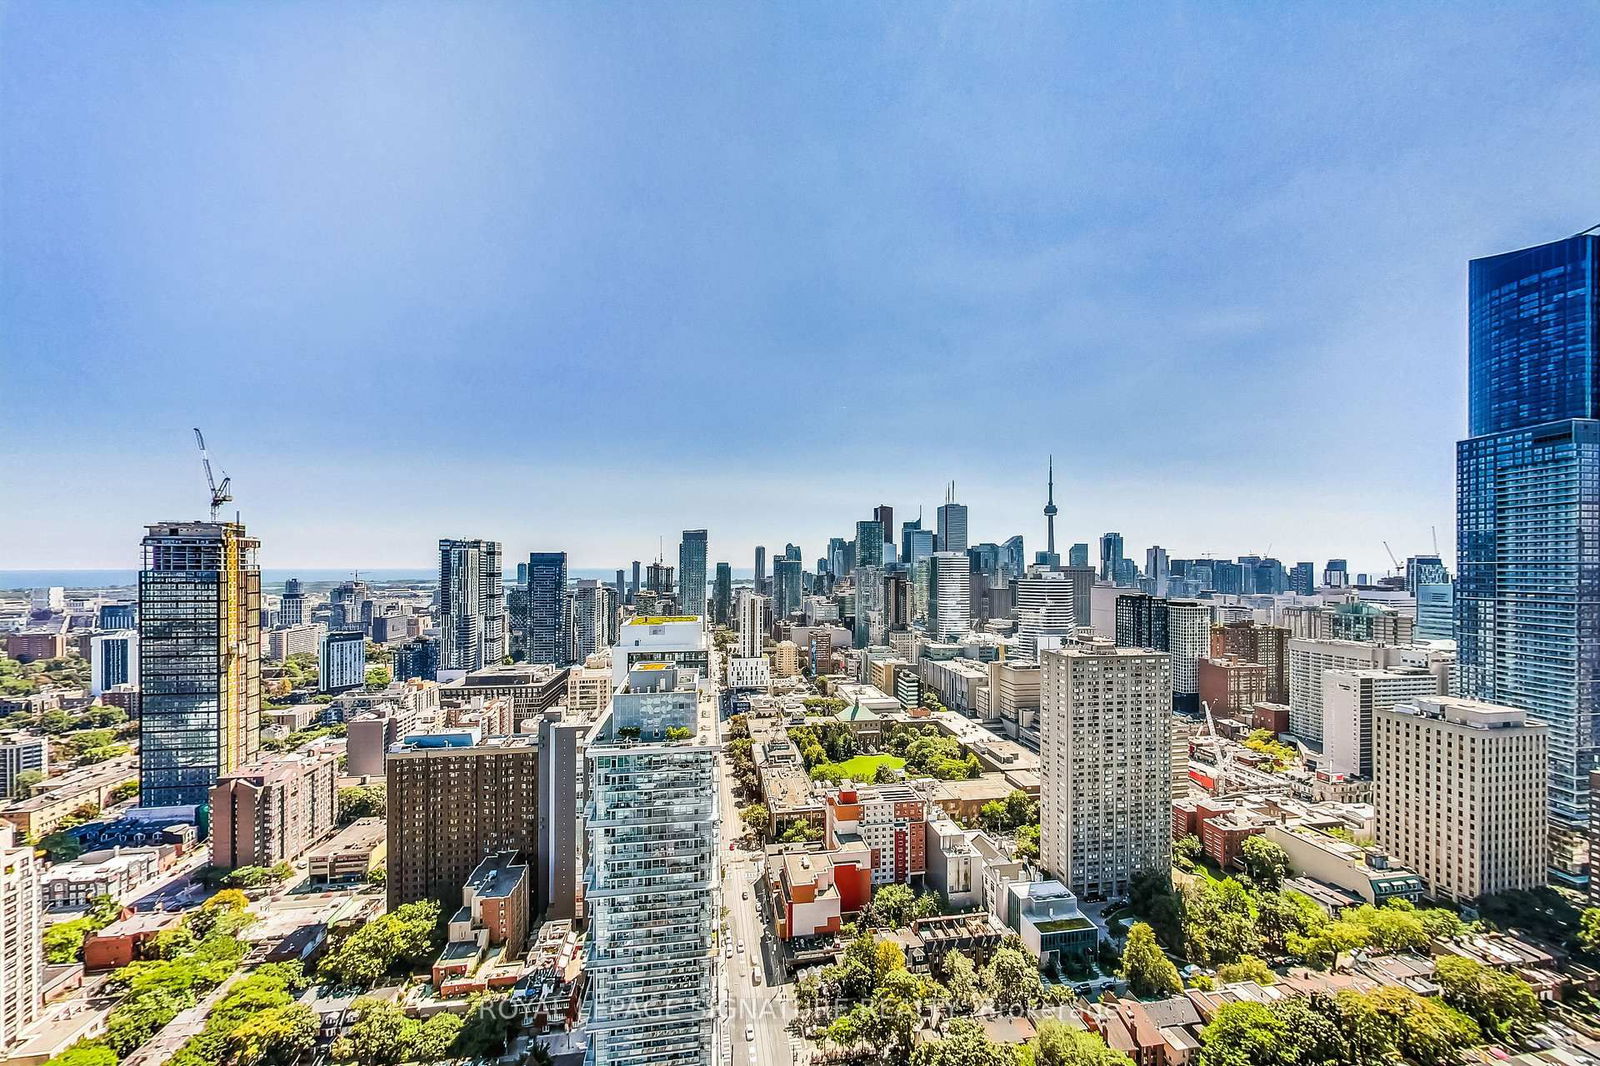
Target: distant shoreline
{"type": "Point", "coordinates": [271, 577]}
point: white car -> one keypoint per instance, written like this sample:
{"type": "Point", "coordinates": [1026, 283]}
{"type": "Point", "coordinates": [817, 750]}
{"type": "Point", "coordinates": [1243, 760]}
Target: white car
{"type": "Point", "coordinates": [755, 977]}
{"type": "Point", "coordinates": [747, 894]}
{"type": "Point", "coordinates": [750, 1032]}
{"type": "Point", "coordinates": [741, 947]}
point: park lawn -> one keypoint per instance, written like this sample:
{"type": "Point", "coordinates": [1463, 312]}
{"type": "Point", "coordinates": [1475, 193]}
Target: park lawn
{"type": "Point", "coordinates": [864, 767]}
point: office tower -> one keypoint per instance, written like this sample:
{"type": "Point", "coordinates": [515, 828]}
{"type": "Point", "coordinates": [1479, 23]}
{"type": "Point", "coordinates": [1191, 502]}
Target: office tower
{"type": "Point", "coordinates": [272, 811]}
{"type": "Point", "coordinates": [1013, 559]}
{"type": "Point", "coordinates": [417, 658]}
{"type": "Point", "coordinates": [952, 519]}
{"type": "Point", "coordinates": [1350, 699]}
{"type": "Point", "coordinates": [792, 551]}
{"type": "Point", "coordinates": [342, 661]}
{"type": "Point", "coordinates": [199, 658]}
{"type": "Point", "coordinates": [1460, 795]}
{"type": "Point", "coordinates": [950, 601]}
{"type": "Point", "coordinates": [1141, 622]}
{"type": "Point", "coordinates": [1110, 556]}
{"type": "Point", "coordinates": [722, 595]}
{"type": "Point", "coordinates": [21, 753]}
{"type": "Point", "coordinates": [517, 615]}
{"type": "Point", "coordinates": [787, 595]}
{"type": "Point", "coordinates": [752, 626]}
{"type": "Point", "coordinates": [1303, 579]}
{"type": "Point", "coordinates": [761, 570]}
{"type": "Point", "coordinates": [549, 635]}
{"type": "Point", "coordinates": [621, 587]}
{"type": "Point", "coordinates": [1270, 577]}
{"type": "Point", "coordinates": [1157, 568]}
{"type": "Point", "coordinates": [916, 544]}
{"type": "Point", "coordinates": [633, 589]}
{"type": "Point", "coordinates": [349, 605]}
{"type": "Point", "coordinates": [869, 544]}
{"type": "Point", "coordinates": [1435, 612]}
{"type": "Point", "coordinates": [1266, 645]}
{"type": "Point", "coordinates": [1527, 589]}
{"type": "Point", "coordinates": [21, 938]}
{"type": "Point", "coordinates": [692, 572]}
{"type": "Point", "coordinates": [651, 888]}
{"type": "Point", "coordinates": [292, 604]}
{"type": "Point", "coordinates": [454, 798]}
{"type": "Point", "coordinates": [897, 598]}
{"type": "Point", "coordinates": [1310, 659]}
{"type": "Point", "coordinates": [1336, 574]}
{"type": "Point", "coordinates": [592, 626]}
{"type": "Point", "coordinates": [1188, 641]}
{"type": "Point", "coordinates": [1105, 766]}
{"type": "Point", "coordinates": [472, 612]}
{"type": "Point", "coordinates": [1045, 615]}
{"type": "Point", "coordinates": [1425, 570]}
{"type": "Point", "coordinates": [116, 616]}
{"type": "Point", "coordinates": [869, 625]}
{"type": "Point", "coordinates": [522, 573]}
{"type": "Point", "coordinates": [556, 853]}
{"type": "Point", "coordinates": [1078, 555]}
{"type": "Point", "coordinates": [113, 660]}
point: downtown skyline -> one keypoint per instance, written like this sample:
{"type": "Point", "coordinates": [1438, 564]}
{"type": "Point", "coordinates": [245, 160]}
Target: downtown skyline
{"type": "Point", "coordinates": [737, 211]}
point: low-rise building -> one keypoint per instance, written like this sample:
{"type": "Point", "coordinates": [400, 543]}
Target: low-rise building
{"type": "Point", "coordinates": [116, 873]}
{"type": "Point", "coordinates": [489, 932]}
{"type": "Point", "coordinates": [1045, 914]}
{"type": "Point", "coordinates": [954, 869]}
{"type": "Point", "coordinates": [352, 855]}
{"type": "Point", "coordinates": [891, 820]}
{"type": "Point", "coordinates": [812, 890]}
{"type": "Point", "coordinates": [1344, 865]}
{"type": "Point", "coordinates": [118, 944]}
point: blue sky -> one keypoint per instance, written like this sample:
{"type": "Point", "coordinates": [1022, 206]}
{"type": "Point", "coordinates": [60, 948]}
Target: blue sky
{"type": "Point", "coordinates": [578, 276]}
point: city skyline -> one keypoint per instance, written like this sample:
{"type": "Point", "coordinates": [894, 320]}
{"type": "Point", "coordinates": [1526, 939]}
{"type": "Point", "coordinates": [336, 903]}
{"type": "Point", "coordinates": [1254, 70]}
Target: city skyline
{"type": "Point", "coordinates": [786, 227]}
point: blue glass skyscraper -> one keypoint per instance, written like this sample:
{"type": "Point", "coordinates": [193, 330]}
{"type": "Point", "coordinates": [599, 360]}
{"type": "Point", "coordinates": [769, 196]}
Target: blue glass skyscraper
{"type": "Point", "coordinates": [1527, 591]}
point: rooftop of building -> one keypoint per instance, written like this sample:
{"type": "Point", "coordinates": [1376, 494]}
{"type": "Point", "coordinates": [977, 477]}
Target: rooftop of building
{"type": "Point", "coordinates": [361, 835]}
{"type": "Point", "coordinates": [497, 876]}
{"type": "Point", "coordinates": [1468, 714]}
{"type": "Point", "coordinates": [661, 619]}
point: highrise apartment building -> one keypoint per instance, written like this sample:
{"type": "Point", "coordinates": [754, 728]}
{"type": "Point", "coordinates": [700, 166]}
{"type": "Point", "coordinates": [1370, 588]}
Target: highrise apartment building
{"type": "Point", "coordinates": [1255, 643]}
{"type": "Point", "coordinates": [722, 596]}
{"type": "Point", "coordinates": [21, 938]}
{"type": "Point", "coordinates": [1111, 556]}
{"type": "Point", "coordinates": [292, 604]}
{"type": "Point", "coordinates": [950, 595]}
{"type": "Point", "coordinates": [454, 798]}
{"type": "Point", "coordinates": [342, 661]}
{"type": "Point", "coordinates": [272, 811]}
{"type": "Point", "coordinates": [761, 570]}
{"type": "Point", "coordinates": [113, 660]}
{"type": "Point", "coordinates": [692, 572]}
{"type": "Point", "coordinates": [1046, 599]}
{"type": "Point", "coordinates": [752, 626]}
{"type": "Point", "coordinates": [1309, 660]}
{"type": "Point", "coordinates": [1188, 641]}
{"type": "Point", "coordinates": [21, 753]}
{"type": "Point", "coordinates": [1350, 701]}
{"type": "Point", "coordinates": [651, 887]}
{"type": "Point", "coordinates": [1460, 792]}
{"type": "Point", "coordinates": [594, 621]}
{"type": "Point", "coordinates": [1105, 764]}
{"type": "Point", "coordinates": [473, 627]}
{"type": "Point", "coordinates": [199, 658]}
{"type": "Point", "coordinates": [549, 639]}
{"type": "Point", "coordinates": [1527, 589]}
{"type": "Point", "coordinates": [786, 592]}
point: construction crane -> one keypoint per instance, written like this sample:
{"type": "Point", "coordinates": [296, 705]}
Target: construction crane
{"type": "Point", "coordinates": [1397, 567]}
{"type": "Point", "coordinates": [219, 493]}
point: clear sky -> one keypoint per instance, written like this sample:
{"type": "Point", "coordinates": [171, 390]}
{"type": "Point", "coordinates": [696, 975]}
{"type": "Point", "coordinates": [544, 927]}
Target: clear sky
{"type": "Point", "coordinates": [582, 275]}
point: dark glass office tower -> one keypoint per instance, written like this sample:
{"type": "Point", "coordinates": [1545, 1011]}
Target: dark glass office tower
{"type": "Point", "coordinates": [722, 595]}
{"type": "Point", "coordinates": [1527, 595]}
{"type": "Point", "coordinates": [199, 659]}
{"type": "Point", "coordinates": [692, 572]}
{"type": "Point", "coordinates": [549, 640]}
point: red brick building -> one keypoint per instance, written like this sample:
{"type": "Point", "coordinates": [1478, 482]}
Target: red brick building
{"type": "Point", "coordinates": [1231, 685]}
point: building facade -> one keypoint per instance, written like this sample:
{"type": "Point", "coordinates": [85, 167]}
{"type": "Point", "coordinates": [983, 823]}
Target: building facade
{"type": "Point", "coordinates": [473, 626]}
{"type": "Point", "coordinates": [273, 811]}
{"type": "Point", "coordinates": [1105, 766]}
{"type": "Point", "coordinates": [199, 658]}
{"type": "Point", "coordinates": [21, 938]}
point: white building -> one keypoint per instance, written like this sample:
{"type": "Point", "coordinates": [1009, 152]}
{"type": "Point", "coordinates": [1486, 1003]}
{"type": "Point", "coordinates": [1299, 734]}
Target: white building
{"type": "Point", "coordinates": [1045, 600]}
{"type": "Point", "coordinates": [1349, 700]}
{"type": "Point", "coordinates": [749, 674]}
{"type": "Point", "coordinates": [955, 870]}
{"type": "Point", "coordinates": [651, 888]}
{"type": "Point", "coordinates": [951, 607]}
{"type": "Point", "coordinates": [21, 938]}
{"type": "Point", "coordinates": [1309, 659]}
{"type": "Point", "coordinates": [19, 753]}
{"type": "Point", "coordinates": [752, 626]}
{"type": "Point", "coordinates": [1188, 641]}
{"type": "Point", "coordinates": [304, 639]}
{"type": "Point", "coordinates": [113, 660]}
{"type": "Point", "coordinates": [1460, 788]}
{"type": "Point", "coordinates": [676, 639]}
{"type": "Point", "coordinates": [1105, 762]}
{"type": "Point", "coordinates": [342, 663]}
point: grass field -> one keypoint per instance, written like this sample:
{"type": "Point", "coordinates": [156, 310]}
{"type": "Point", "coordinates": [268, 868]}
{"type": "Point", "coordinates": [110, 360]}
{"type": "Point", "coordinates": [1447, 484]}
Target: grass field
{"type": "Point", "coordinates": [863, 767]}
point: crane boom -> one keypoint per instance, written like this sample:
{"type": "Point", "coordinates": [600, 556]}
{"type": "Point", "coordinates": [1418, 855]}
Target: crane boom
{"type": "Point", "coordinates": [219, 493]}
{"type": "Point", "coordinates": [1392, 559]}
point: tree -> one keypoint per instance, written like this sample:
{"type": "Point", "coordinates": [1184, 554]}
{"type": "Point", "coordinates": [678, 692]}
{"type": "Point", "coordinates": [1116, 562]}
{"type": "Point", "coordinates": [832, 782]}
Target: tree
{"type": "Point", "coordinates": [1012, 980]}
{"type": "Point", "coordinates": [402, 937]}
{"type": "Point", "coordinates": [1147, 970]}
{"type": "Point", "coordinates": [1589, 930]}
{"type": "Point", "coordinates": [277, 1034]}
{"type": "Point", "coordinates": [362, 801]}
{"type": "Point", "coordinates": [1219, 922]}
{"type": "Point", "coordinates": [1424, 1030]}
{"type": "Point", "coordinates": [1028, 842]}
{"type": "Point", "coordinates": [1186, 852]}
{"type": "Point", "coordinates": [85, 1053]}
{"type": "Point", "coordinates": [381, 1034]}
{"type": "Point", "coordinates": [891, 904]}
{"type": "Point", "coordinates": [961, 981]}
{"type": "Point", "coordinates": [123, 792]}
{"type": "Point", "coordinates": [22, 784]}
{"type": "Point", "coordinates": [1264, 861]}
{"type": "Point", "coordinates": [1249, 968]}
{"type": "Point", "coordinates": [248, 877]}
{"type": "Point", "coordinates": [1058, 1044]}
{"type": "Point", "coordinates": [1502, 1003]}
{"type": "Point", "coordinates": [756, 818]}
{"type": "Point", "coordinates": [1243, 1034]}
